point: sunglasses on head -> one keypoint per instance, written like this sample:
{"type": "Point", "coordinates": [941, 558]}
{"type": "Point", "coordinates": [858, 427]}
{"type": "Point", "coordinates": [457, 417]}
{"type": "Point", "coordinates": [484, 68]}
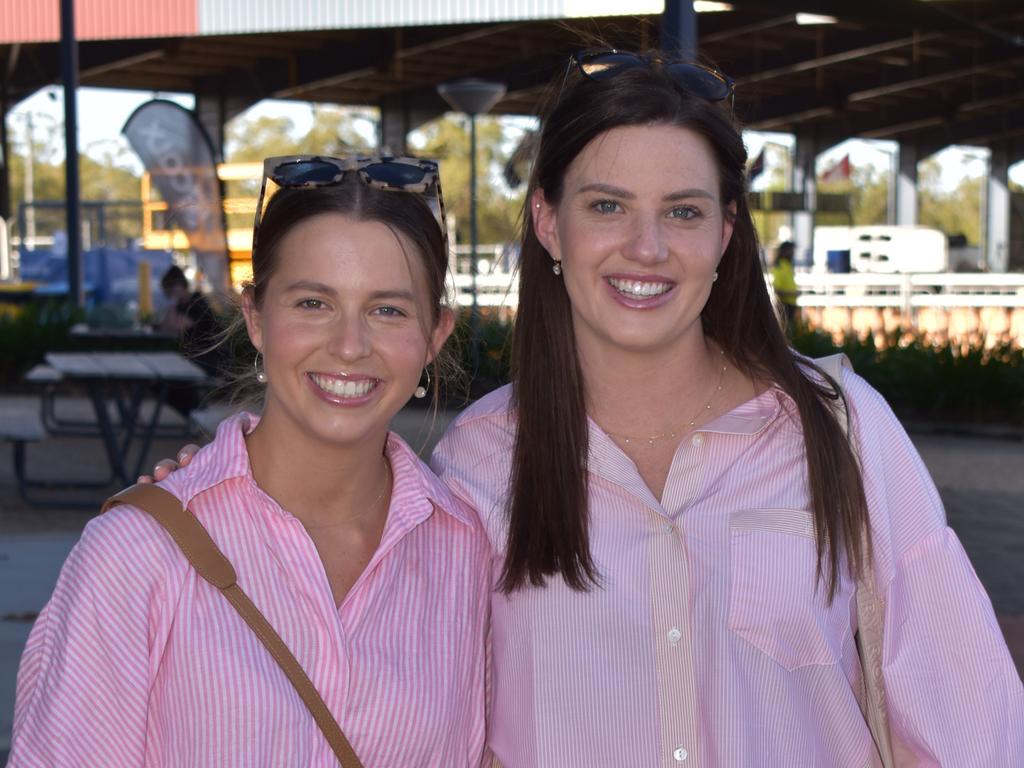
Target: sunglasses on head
{"type": "Point", "coordinates": [693, 78]}
{"type": "Point", "coordinates": [395, 174]}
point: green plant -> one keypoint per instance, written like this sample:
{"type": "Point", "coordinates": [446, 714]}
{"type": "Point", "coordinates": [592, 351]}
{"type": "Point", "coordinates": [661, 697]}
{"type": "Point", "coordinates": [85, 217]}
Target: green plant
{"type": "Point", "coordinates": [29, 332]}
{"type": "Point", "coordinates": [920, 379]}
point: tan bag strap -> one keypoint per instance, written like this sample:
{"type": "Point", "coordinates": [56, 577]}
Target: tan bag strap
{"type": "Point", "coordinates": [870, 608]}
{"type": "Point", "coordinates": [210, 563]}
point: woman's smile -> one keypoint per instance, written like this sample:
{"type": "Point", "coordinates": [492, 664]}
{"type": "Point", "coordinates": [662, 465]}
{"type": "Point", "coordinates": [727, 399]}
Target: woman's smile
{"type": "Point", "coordinates": [641, 292]}
{"type": "Point", "coordinates": [344, 389]}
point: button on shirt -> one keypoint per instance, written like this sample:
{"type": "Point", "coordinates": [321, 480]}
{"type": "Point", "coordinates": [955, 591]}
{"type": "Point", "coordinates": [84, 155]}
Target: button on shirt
{"type": "Point", "coordinates": [138, 661]}
{"type": "Point", "coordinates": [708, 641]}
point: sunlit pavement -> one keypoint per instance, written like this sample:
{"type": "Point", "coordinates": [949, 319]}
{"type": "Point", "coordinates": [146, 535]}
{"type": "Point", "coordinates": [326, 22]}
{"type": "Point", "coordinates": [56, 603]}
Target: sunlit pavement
{"type": "Point", "coordinates": [981, 480]}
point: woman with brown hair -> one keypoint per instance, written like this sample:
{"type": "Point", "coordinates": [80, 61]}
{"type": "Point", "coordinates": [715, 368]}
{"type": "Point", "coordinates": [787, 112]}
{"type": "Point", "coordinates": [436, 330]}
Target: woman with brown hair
{"type": "Point", "coordinates": [373, 574]}
{"type": "Point", "coordinates": [685, 514]}
{"type": "Point", "coordinates": [681, 519]}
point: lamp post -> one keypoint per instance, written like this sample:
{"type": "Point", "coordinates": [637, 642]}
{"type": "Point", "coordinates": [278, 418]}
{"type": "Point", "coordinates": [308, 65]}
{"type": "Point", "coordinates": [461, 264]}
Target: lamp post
{"type": "Point", "coordinates": [474, 97]}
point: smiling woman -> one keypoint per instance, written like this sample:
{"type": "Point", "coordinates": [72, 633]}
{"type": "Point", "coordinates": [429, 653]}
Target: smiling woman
{"type": "Point", "coordinates": [684, 530]}
{"type": "Point", "coordinates": [339, 535]}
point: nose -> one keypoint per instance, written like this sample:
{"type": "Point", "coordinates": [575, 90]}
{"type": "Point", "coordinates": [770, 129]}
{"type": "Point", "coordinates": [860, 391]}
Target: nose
{"type": "Point", "coordinates": [349, 339]}
{"type": "Point", "coordinates": [647, 243]}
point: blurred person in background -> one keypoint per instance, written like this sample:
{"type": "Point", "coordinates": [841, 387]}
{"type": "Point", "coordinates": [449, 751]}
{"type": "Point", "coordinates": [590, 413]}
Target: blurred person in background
{"type": "Point", "coordinates": [784, 283]}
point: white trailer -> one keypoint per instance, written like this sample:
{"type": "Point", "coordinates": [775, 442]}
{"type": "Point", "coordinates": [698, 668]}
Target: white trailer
{"type": "Point", "coordinates": [883, 249]}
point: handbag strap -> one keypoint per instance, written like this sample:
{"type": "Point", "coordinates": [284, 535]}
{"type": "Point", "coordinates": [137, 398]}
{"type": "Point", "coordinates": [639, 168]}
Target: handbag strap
{"type": "Point", "coordinates": [870, 608]}
{"type": "Point", "coordinates": [210, 563]}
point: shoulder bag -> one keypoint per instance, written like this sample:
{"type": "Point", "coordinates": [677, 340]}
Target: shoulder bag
{"type": "Point", "coordinates": [210, 563]}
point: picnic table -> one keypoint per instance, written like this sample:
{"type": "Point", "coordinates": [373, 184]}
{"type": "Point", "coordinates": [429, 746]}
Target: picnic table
{"type": "Point", "coordinates": [116, 383]}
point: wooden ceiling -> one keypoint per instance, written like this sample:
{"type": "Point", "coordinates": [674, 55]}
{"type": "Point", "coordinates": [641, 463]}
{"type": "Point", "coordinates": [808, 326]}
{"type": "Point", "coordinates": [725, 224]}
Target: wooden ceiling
{"type": "Point", "coordinates": [934, 72]}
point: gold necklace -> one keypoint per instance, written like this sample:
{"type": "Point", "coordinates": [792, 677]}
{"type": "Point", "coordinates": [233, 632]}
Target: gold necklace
{"type": "Point", "coordinates": [651, 440]}
{"type": "Point", "coordinates": [373, 504]}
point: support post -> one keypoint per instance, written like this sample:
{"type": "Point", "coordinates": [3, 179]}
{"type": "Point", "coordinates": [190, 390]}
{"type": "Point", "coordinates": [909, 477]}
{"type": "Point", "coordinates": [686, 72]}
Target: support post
{"type": "Point", "coordinates": [5, 157]}
{"type": "Point", "coordinates": [679, 29]}
{"type": "Point", "coordinates": [997, 214]}
{"type": "Point", "coordinates": [72, 191]}
{"type": "Point", "coordinates": [906, 185]}
{"type": "Point", "coordinates": [211, 112]}
{"type": "Point", "coordinates": [804, 180]}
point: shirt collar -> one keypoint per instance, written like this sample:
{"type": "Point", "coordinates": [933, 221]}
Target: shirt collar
{"type": "Point", "coordinates": [605, 458]}
{"type": "Point", "coordinates": [415, 488]}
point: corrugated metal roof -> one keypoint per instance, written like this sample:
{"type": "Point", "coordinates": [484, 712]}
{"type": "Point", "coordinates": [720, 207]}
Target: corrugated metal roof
{"type": "Point", "coordinates": [22, 22]}
{"type": "Point", "coordinates": [25, 21]}
{"type": "Point", "coordinates": [108, 19]}
{"type": "Point", "coordinates": [218, 17]}
{"type": "Point", "coordinates": [30, 21]}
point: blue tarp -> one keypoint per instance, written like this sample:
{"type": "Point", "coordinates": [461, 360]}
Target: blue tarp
{"type": "Point", "coordinates": [110, 274]}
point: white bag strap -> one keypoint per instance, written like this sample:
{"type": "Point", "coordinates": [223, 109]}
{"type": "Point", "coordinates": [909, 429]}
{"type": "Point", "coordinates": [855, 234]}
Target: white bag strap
{"type": "Point", "coordinates": [870, 607]}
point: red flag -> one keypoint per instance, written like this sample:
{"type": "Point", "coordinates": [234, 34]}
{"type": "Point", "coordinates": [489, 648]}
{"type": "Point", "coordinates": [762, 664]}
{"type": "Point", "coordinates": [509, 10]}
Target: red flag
{"type": "Point", "coordinates": [839, 171]}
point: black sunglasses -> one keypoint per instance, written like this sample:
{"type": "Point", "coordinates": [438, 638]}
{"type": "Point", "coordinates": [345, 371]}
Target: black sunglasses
{"type": "Point", "coordinates": [397, 174]}
{"type": "Point", "coordinates": [693, 78]}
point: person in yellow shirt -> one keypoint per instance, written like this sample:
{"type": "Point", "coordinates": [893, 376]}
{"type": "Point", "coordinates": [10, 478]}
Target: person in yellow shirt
{"type": "Point", "coordinates": [784, 282]}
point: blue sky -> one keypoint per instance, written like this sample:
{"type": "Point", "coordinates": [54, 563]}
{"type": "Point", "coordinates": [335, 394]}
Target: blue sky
{"type": "Point", "coordinates": [102, 113]}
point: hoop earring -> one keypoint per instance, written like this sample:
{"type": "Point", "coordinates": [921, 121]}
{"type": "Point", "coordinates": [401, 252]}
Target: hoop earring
{"type": "Point", "coordinates": [261, 375]}
{"type": "Point", "coordinates": [556, 267]}
{"type": "Point", "coordinates": [421, 390]}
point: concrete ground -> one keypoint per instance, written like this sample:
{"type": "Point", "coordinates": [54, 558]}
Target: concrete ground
{"type": "Point", "coordinates": [981, 480]}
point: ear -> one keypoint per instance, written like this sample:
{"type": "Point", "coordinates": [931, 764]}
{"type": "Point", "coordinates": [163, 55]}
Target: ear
{"type": "Point", "coordinates": [252, 318]}
{"type": "Point", "coordinates": [545, 223]}
{"type": "Point", "coordinates": [728, 220]}
{"type": "Point", "coordinates": [441, 332]}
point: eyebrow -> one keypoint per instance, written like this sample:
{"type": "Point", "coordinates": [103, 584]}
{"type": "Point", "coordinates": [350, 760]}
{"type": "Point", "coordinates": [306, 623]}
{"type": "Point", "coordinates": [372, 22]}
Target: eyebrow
{"type": "Point", "coordinates": [309, 285]}
{"type": "Point", "coordinates": [315, 287]}
{"type": "Point", "coordinates": [609, 189]}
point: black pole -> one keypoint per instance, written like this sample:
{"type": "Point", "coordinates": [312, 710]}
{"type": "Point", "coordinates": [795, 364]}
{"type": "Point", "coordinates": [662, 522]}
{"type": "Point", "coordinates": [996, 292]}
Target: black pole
{"type": "Point", "coordinates": [474, 312]}
{"type": "Point", "coordinates": [69, 76]}
{"type": "Point", "coordinates": [679, 29]}
{"type": "Point", "coordinates": [5, 156]}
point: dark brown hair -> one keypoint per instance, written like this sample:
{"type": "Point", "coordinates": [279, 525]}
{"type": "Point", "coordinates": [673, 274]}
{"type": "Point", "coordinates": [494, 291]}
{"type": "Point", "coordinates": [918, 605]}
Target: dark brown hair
{"type": "Point", "coordinates": [548, 531]}
{"type": "Point", "coordinates": [404, 213]}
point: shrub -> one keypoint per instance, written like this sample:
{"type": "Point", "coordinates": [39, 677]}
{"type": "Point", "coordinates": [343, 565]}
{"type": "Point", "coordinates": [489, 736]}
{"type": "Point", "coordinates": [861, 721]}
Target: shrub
{"type": "Point", "coordinates": [921, 380]}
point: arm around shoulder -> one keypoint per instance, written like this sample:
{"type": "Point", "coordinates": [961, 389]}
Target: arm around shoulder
{"type": "Point", "coordinates": [86, 673]}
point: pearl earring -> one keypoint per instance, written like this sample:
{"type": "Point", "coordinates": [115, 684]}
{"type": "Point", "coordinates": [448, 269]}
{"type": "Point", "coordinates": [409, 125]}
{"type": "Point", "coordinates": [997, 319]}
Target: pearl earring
{"type": "Point", "coordinates": [421, 390]}
{"type": "Point", "coordinates": [261, 375]}
{"type": "Point", "coordinates": [556, 267]}
{"type": "Point", "coordinates": [714, 277]}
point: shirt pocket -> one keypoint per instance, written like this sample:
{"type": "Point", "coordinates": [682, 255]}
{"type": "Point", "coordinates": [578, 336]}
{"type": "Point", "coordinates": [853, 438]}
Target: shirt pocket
{"type": "Point", "coordinates": [776, 602]}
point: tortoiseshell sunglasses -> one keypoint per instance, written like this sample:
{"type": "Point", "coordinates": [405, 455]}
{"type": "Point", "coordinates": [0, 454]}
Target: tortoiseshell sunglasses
{"type": "Point", "coordinates": [397, 174]}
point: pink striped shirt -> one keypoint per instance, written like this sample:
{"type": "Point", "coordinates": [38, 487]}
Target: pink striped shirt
{"type": "Point", "coordinates": [707, 643]}
{"type": "Point", "coordinates": [138, 661]}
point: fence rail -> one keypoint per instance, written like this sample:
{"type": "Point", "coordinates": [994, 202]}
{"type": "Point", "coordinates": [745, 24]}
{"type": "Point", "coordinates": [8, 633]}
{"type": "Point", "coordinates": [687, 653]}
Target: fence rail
{"type": "Point", "coordinates": [912, 291]}
{"type": "Point", "coordinates": [904, 292]}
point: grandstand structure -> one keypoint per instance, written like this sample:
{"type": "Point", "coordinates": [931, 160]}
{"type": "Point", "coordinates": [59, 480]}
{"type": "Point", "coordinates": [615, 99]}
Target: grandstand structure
{"type": "Point", "coordinates": [924, 73]}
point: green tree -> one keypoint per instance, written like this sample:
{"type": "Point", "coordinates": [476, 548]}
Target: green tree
{"type": "Point", "coordinates": [106, 178]}
{"type": "Point", "coordinates": [498, 208]}
{"type": "Point", "coordinates": [956, 211]}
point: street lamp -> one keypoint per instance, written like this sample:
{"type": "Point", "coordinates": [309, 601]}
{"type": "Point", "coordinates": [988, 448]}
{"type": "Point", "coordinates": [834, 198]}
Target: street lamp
{"type": "Point", "coordinates": [474, 97]}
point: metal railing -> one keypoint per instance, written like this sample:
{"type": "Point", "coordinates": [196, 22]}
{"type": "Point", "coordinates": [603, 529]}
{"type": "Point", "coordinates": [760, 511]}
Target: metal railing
{"type": "Point", "coordinates": [818, 290]}
{"type": "Point", "coordinates": [944, 290]}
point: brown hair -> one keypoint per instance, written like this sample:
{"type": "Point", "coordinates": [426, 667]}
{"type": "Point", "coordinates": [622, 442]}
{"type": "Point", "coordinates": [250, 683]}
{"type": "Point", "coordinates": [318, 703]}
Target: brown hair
{"type": "Point", "coordinates": [404, 213]}
{"type": "Point", "coordinates": [548, 532]}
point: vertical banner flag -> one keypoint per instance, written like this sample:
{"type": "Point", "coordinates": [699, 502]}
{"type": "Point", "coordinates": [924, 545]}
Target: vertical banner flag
{"type": "Point", "coordinates": [179, 156]}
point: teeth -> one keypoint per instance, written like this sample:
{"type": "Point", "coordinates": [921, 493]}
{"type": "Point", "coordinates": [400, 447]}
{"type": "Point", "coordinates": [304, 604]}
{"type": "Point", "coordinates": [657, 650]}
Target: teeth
{"type": "Point", "coordinates": [638, 288]}
{"type": "Point", "coordinates": [344, 387]}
